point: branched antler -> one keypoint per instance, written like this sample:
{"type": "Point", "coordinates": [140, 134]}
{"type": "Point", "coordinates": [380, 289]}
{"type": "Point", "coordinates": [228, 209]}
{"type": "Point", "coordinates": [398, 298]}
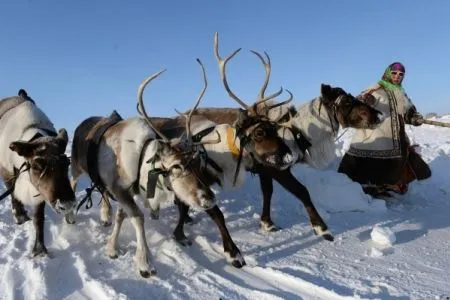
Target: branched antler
{"type": "Point", "coordinates": [188, 120]}
{"type": "Point", "coordinates": [267, 66]}
{"type": "Point", "coordinates": [191, 112]}
{"type": "Point", "coordinates": [222, 64]}
{"type": "Point", "coordinates": [268, 69]}
{"type": "Point", "coordinates": [141, 108]}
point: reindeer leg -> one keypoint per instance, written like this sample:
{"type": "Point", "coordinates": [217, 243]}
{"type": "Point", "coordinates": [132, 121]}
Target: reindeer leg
{"type": "Point", "coordinates": [267, 191]}
{"type": "Point", "coordinates": [111, 247]}
{"type": "Point", "coordinates": [70, 218]}
{"type": "Point", "coordinates": [187, 219]}
{"type": "Point", "coordinates": [178, 233]}
{"type": "Point", "coordinates": [142, 256]}
{"type": "Point", "coordinates": [18, 210]}
{"type": "Point", "coordinates": [229, 246]}
{"type": "Point", "coordinates": [38, 222]}
{"type": "Point", "coordinates": [105, 210]}
{"type": "Point", "coordinates": [290, 183]}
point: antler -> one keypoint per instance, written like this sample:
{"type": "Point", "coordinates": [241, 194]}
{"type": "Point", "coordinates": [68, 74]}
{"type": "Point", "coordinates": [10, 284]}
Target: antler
{"type": "Point", "coordinates": [141, 108]}
{"type": "Point", "coordinates": [222, 64]}
{"type": "Point", "coordinates": [188, 120]}
{"type": "Point", "coordinates": [283, 102]}
{"type": "Point", "coordinates": [268, 69]}
{"type": "Point", "coordinates": [189, 116]}
{"type": "Point", "coordinates": [267, 66]}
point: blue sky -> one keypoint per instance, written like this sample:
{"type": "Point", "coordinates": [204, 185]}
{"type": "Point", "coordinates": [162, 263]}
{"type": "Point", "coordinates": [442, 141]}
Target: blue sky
{"type": "Point", "coordinates": [87, 57]}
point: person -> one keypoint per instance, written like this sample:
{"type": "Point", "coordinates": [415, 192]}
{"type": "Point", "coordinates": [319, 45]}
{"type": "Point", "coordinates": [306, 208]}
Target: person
{"type": "Point", "coordinates": [382, 159]}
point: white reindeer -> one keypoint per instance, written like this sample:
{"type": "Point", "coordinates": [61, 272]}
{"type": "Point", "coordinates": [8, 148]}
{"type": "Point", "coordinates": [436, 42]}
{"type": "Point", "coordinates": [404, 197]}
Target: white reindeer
{"type": "Point", "coordinates": [33, 164]}
{"type": "Point", "coordinates": [128, 152]}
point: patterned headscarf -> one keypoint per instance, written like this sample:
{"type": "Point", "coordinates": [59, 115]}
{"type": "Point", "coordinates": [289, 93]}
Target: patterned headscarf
{"type": "Point", "coordinates": [386, 78]}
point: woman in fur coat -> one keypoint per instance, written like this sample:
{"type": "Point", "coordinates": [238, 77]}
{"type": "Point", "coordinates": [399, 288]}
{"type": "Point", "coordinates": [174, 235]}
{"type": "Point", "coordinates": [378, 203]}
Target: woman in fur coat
{"type": "Point", "coordinates": [382, 159]}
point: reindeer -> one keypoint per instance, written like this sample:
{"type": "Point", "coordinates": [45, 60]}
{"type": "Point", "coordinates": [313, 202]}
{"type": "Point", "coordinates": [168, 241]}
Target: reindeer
{"type": "Point", "coordinates": [309, 132]}
{"type": "Point", "coordinates": [252, 137]}
{"type": "Point", "coordinates": [130, 152]}
{"type": "Point", "coordinates": [33, 164]}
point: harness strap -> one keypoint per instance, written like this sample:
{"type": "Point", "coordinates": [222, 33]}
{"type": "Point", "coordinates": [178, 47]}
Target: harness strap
{"type": "Point", "coordinates": [197, 138]}
{"type": "Point", "coordinates": [333, 113]}
{"type": "Point", "coordinates": [92, 152]}
{"type": "Point", "coordinates": [136, 186]}
{"type": "Point", "coordinates": [10, 190]}
{"type": "Point", "coordinates": [231, 141]}
{"type": "Point", "coordinates": [200, 135]}
{"type": "Point", "coordinates": [300, 139]}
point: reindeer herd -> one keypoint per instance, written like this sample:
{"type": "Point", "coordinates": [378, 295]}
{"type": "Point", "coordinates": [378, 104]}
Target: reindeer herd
{"type": "Point", "coordinates": [149, 159]}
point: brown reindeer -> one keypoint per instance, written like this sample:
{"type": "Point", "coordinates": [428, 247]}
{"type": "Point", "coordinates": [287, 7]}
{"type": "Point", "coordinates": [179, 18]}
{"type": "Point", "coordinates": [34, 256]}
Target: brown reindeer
{"type": "Point", "coordinates": [33, 163]}
{"type": "Point", "coordinates": [308, 130]}
{"type": "Point", "coordinates": [254, 137]}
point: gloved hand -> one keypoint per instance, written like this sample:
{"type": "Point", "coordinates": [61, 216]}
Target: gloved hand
{"type": "Point", "coordinates": [416, 120]}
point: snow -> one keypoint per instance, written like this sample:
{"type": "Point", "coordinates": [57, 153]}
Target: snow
{"type": "Point", "coordinates": [383, 235]}
{"type": "Point", "coordinates": [411, 262]}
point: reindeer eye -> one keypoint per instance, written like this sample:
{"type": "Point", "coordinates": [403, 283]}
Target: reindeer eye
{"type": "Point", "coordinates": [258, 133]}
{"type": "Point", "coordinates": [176, 170]}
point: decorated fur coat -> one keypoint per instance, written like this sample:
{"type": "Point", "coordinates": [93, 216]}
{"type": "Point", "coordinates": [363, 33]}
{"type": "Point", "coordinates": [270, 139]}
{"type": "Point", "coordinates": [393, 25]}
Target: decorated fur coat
{"type": "Point", "coordinates": [382, 157]}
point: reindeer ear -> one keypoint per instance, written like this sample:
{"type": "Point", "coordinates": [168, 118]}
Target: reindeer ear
{"type": "Point", "coordinates": [63, 139]}
{"type": "Point", "coordinates": [22, 93]}
{"type": "Point", "coordinates": [24, 149]}
{"type": "Point", "coordinates": [325, 90]}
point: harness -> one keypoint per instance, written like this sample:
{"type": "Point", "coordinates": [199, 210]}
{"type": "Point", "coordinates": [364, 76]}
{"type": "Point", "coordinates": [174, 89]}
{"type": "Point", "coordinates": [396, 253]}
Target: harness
{"type": "Point", "coordinates": [241, 126]}
{"type": "Point", "coordinates": [153, 174]}
{"type": "Point", "coordinates": [333, 112]}
{"type": "Point", "coordinates": [92, 161]}
{"type": "Point", "coordinates": [26, 165]}
{"type": "Point", "coordinates": [300, 139]}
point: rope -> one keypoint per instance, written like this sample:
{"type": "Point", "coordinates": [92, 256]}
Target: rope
{"type": "Point", "coordinates": [435, 123]}
{"type": "Point", "coordinates": [88, 197]}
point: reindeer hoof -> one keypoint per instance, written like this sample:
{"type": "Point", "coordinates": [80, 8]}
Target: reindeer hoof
{"type": "Point", "coordinates": [39, 250]}
{"type": "Point", "coordinates": [238, 264]}
{"type": "Point", "coordinates": [154, 214]}
{"type": "Point", "coordinates": [147, 274]}
{"type": "Point", "coordinates": [188, 220]}
{"type": "Point", "coordinates": [70, 218]}
{"type": "Point", "coordinates": [20, 219]}
{"type": "Point", "coordinates": [328, 237]}
{"type": "Point", "coordinates": [269, 226]}
{"type": "Point", "coordinates": [324, 233]}
{"type": "Point", "coordinates": [106, 223]}
{"type": "Point", "coordinates": [113, 256]}
{"type": "Point", "coordinates": [237, 261]}
{"type": "Point", "coordinates": [183, 241]}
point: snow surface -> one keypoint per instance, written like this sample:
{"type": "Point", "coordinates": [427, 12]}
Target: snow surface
{"type": "Point", "coordinates": [290, 264]}
{"type": "Point", "coordinates": [383, 235]}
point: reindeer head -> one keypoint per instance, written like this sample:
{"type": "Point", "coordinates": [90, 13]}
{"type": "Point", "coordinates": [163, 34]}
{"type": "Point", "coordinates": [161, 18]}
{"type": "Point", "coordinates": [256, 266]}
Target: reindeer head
{"type": "Point", "coordinates": [348, 110]}
{"type": "Point", "coordinates": [178, 160]}
{"type": "Point", "coordinates": [47, 166]}
{"type": "Point", "coordinates": [258, 134]}
{"type": "Point", "coordinates": [181, 172]}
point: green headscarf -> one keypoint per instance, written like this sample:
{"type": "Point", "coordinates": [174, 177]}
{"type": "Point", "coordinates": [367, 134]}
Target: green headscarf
{"type": "Point", "coordinates": [386, 78]}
